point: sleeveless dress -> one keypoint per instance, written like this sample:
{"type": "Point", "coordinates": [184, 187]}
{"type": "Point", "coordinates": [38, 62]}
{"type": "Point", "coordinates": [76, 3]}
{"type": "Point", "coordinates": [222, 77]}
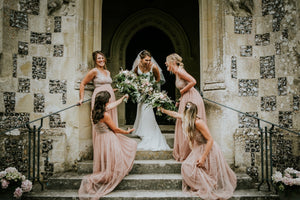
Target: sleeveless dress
{"type": "Point", "coordinates": [215, 180]}
{"type": "Point", "coordinates": [103, 82]}
{"type": "Point", "coordinates": [146, 127]}
{"type": "Point", "coordinates": [181, 146]}
{"type": "Point", "coordinates": [115, 156]}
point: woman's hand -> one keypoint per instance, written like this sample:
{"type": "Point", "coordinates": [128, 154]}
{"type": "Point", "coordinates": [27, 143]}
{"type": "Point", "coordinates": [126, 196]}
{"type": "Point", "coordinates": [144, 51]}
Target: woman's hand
{"type": "Point", "coordinates": [200, 162]}
{"type": "Point", "coordinates": [80, 102]}
{"type": "Point", "coordinates": [125, 98]}
{"type": "Point", "coordinates": [160, 109]}
{"type": "Point", "coordinates": [129, 130]}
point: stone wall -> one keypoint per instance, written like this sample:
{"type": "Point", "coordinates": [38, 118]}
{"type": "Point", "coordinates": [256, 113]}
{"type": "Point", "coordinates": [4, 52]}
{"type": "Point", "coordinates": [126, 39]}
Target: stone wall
{"type": "Point", "coordinates": [257, 74]}
{"type": "Point", "coordinates": [39, 61]}
{"type": "Point", "coordinates": [249, 61]}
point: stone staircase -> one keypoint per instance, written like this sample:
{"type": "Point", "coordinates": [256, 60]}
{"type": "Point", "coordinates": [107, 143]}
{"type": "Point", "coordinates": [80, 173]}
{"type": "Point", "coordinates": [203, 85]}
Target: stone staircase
{"type": "Point", "coordinates": [155, 175]}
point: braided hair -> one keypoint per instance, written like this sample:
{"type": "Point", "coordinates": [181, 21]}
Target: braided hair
{"type": "Point", "coordinates": [101, 99]}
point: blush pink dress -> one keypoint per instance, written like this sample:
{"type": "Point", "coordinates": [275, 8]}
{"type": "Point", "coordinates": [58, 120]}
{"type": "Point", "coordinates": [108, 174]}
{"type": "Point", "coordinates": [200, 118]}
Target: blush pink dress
{"type": "Point", "coordinates": [115, 157]}
{"type": "Point", "coordinates": [103, 82]}
{"type": "Point", "coordinates": [181, 145]}
{"type": "Point", "coordinates": [215, 180]}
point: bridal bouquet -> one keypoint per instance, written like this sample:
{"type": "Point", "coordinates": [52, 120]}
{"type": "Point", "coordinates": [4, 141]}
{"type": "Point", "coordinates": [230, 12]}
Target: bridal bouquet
{"type": "Point", "coordinates": [288, 181]}
{"type": "Point", "coordinates": [14, 182]}
{"type": "Point", "coordinates": [160, 99]}
{"type": "Point", "coordinates": [142, 90]}
{"type": "Point", "coordinates": [145, 88]}
{"type": "Point", "coordinates": [127, 82]}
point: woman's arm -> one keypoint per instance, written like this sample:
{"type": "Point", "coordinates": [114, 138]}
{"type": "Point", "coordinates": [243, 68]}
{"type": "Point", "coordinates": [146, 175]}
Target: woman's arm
{"type": "Point", "coordinates": [156, 73]}
{"type": "Point", "coordinates": [187, 77]}
{"type": "Point", "coordinates": [202, 127]}
{"type": "Point", "coordinates": [107, 120]}
{"type": "Point", "coordinates": [116, 103]}
{"type": "Point", "coordinates": [171, 113]}
{"type": "Point", "coordinates": [90, 76]}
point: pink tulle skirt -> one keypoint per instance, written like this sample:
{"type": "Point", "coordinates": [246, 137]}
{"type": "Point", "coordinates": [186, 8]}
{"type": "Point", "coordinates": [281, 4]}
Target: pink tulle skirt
{"type": "Point", "coordinates": [181, 145]}
{"type": "Point", "coordinates": [215, 181]}
{"type": "Point", "coordinates": [115, 157]}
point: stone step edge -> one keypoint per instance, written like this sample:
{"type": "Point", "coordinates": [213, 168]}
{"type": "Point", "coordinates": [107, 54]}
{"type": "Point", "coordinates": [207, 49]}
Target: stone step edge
{"type": "Point", "coordinates": [150, 162]}
{"type": "Point", "coordinates": [148, 193]}
{"type": "Point", "coordinates": [240, 176]}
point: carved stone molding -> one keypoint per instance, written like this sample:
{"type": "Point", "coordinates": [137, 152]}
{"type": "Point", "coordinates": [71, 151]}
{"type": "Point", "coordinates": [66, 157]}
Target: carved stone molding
{"type": "Point", "coordinates": [138, 21]}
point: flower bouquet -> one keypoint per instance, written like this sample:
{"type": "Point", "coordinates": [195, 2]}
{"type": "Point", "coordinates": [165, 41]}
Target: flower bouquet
{"type": "Point", "coordinates": [13, 183]}
{"type": "Point", "coordinates": [127, 83]}
{"type": "Point", "coordinates": [287, 184]}
{"type": "Point", "coordinates": [160, 99]}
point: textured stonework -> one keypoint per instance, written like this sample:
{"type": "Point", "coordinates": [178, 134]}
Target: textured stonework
{"type": "Point", "coordinates": [249, 61]}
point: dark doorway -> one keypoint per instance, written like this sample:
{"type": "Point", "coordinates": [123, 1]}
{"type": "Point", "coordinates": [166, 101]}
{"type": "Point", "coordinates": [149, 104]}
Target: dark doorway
{"type": "Point", "coordinates": [160, 46]}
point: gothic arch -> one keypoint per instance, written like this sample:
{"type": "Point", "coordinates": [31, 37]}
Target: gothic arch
{"type": "Point", "coordinates": [139, 20]}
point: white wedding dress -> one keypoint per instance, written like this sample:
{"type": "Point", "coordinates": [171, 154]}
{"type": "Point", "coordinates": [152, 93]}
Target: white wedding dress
{"type": "Point", "coordinates": [146, 127]}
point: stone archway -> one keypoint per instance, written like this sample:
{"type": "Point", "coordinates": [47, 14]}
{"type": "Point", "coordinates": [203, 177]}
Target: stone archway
{"type": "Point", "coordinates": [145, 18]}
{"type": "Point", "coordinates": [139, 20]}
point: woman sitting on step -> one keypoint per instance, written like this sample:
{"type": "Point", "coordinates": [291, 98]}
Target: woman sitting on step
{"type": "Point", "coordinates": [114, 153]}
{"type": "Point", "coordinates": [205, 172]}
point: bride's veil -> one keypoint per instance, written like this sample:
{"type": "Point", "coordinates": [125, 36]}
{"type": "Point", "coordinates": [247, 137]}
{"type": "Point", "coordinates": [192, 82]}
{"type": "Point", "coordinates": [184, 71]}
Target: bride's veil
{"type": "Point", "coordinates": [137, 61]}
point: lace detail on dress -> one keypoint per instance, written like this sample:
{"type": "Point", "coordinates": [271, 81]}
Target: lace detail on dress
{"type": "Point", "coordinates": [147, 73]}
{"type": "Point", "coordinates": [180, 83]}
{"type": "Point", "coordinates": [199, 139]}
{"type": "Point", "coordinates": [101, 79]}
{"type": "Point", "coordinates": [101, 127]}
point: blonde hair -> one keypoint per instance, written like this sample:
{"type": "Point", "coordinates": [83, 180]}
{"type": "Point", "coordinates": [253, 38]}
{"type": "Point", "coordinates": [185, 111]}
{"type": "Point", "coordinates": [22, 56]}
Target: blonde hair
{"type": "Point", "coordinates": [188, 121]}
{"type": "Point", "coordinates": [177, 58]}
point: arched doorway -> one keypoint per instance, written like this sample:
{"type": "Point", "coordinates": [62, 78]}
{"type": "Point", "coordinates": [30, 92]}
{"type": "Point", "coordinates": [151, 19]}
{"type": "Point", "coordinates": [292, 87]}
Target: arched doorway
{"type": "Point", "coordinates": [167, 30]}
{"type": "Point", "coordinates": [159, 44]}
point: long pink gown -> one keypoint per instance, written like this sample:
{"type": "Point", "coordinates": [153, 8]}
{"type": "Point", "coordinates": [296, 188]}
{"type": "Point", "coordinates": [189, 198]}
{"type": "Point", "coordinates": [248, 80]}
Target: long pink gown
{"type": "Point", "coordinates": [215, 181]}
{"type": "Point", "coordinates": [102, 82]}
{"type": "Point", "coordinates": [181, 145]}
{"type": "Point", "coordinates": [115, 156]}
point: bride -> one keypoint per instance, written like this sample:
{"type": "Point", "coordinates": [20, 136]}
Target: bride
{"type": "Point", "coordinates": [145, 124]}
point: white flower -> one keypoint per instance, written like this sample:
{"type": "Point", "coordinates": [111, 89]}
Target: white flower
{"type": "Point", "coordinates": [3, 174]}
{"type": "Point", "coordinates": [26, 185]}
{"type": "Point", "coordinates": [277, 177]}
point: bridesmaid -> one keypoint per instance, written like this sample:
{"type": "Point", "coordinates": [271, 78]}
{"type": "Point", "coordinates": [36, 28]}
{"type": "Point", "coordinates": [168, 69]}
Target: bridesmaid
{"type": "Point", "coordinates": [185, 83]}
{"type": "Point", "coordinates": [205, 172]}
{"type": "Point", "coordinates": [113, 152]}
{"type": "Point", "coordinates": [102, 81]}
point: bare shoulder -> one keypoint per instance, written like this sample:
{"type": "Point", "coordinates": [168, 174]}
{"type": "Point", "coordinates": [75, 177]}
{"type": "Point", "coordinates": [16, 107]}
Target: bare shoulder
{"type": "Point", "coordinates": [108, 72]}
{"type": "Point", "coordinates": [93, 71]}
{"type": "Point", "coordinates": [200, 122]}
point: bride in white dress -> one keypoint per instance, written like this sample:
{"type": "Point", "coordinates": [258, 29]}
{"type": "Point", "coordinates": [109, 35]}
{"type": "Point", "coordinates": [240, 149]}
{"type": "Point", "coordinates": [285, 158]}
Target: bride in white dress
{"type": "Point", "coordinates": [145, 124]}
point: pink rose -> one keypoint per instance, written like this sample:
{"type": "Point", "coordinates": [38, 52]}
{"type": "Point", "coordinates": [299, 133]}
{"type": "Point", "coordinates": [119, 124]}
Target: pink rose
{"type": "Point", "coordinates": [4, 183]}
{"type": "Point", "coordinates": [18, 192]}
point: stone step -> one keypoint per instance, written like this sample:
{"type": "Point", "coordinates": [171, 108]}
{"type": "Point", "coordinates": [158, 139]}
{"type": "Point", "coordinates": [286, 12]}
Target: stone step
{"type": "Point", "coordinates": [154, 155]}
{"type": "Point", "coordinates": [140, 167]}
{"type": "Point", "coordinates": [163, 128]}
{"type": "Point", "coordinates": [137, 182]}
{"type": "Point", "coordinates": [251, 194]}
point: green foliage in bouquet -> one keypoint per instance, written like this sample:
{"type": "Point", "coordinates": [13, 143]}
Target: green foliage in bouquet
{"type": "Point", "coordinates": [161, 99]}
{"type": "Point", "coordinates": [143, 90]}
{"type": "Point", "coordinates": [127, 83]}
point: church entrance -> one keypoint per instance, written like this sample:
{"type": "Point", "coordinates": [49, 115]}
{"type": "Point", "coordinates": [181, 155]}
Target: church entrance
{"type": "Point", "coordinates": [160, 46]}
{"type": "Point", "coordinates": [162, 27]}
